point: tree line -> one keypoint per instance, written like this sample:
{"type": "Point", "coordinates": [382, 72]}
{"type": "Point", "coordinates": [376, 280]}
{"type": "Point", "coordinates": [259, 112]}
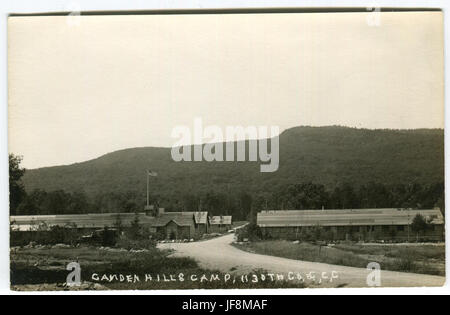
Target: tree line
{"type": "Point", "coordinates": [241, 205]}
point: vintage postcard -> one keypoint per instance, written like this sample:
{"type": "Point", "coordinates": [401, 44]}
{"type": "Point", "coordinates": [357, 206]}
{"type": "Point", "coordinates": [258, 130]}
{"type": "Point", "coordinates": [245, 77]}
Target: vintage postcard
{"type": "Point", "coordinates": [226, 150]}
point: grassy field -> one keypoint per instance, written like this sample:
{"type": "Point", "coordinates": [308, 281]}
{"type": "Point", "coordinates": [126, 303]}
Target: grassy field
{"type": "Point", "coordinates": [34, 268]}
{"type": "Point", "coordinates": [424, 259]}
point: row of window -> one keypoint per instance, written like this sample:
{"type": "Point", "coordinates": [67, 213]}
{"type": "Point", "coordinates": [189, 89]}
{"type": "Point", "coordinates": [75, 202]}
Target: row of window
{"type": "Point", "coordinates": [354, 229]}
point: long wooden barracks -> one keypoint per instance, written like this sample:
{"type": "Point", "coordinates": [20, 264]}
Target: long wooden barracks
{"type": "Point", "coordinates": [357, 224]}
{"type": "Point", "coordinates": [168, 225]}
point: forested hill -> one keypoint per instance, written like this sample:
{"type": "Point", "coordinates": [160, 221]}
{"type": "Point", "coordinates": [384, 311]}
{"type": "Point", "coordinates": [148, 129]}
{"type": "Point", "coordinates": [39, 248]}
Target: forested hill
{"type": "Point", "coordinates": [323, 155]}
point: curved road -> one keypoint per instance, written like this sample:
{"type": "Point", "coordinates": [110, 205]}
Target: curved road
{"type": "Point", "coordinates": [219, 254]}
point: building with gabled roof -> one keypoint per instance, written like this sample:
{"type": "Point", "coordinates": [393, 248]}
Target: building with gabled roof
{"type": "Point", "coordinates": [201, 220]}
{"type": "Point", "coordinates": [173, 226]}
{"type": "Point", "coordinates": [221, 223]}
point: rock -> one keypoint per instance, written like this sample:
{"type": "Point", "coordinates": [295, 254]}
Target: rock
{"type": "Point", "coordinates": [99, 287]}
{"type": "Point", "coordinates": [139, 251]}
{"type": "Point", "coordinates": [61, 246]}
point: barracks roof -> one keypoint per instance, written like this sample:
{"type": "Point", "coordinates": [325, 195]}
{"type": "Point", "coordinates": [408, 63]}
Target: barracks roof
{"type": "Point", "coordinates": [358, 217]}
{"type": "Point", "coordinates": [26, 223]}
{"type": "Point", "coordinates": [99, 220]}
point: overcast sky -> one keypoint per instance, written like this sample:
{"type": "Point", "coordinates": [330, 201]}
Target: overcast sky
{"type": "Point", "coordinates": [81, 88]}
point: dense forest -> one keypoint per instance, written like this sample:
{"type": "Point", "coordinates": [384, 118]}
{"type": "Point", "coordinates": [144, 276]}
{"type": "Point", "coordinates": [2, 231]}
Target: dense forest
{"type": "Point", "coordinates": [329, 167]}
{"type": "Point", "coordinates": [296, 196]}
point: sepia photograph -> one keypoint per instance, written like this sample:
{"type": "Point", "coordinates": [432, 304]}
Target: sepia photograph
{"type": "Point", "coordinates": [226, 149]}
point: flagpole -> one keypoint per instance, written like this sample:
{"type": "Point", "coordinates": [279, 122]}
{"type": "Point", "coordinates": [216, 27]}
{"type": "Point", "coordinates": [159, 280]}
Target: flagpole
{"type": "Point", "coordinates": [147, 189]}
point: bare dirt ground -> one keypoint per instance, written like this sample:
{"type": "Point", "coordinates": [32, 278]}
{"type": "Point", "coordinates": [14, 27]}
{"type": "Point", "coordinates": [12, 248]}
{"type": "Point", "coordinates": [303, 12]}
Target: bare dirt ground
{"type": "Point", "coordinates": [219, 254]}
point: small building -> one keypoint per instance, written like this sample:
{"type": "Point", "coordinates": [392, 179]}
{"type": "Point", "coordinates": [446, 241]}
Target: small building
{"type": "Point", "coordinates": [358, 224]}
{"type": "Point", "coordinates": [173, 226]}
{"type": "Point", "coordinates": [220, 224]}
{"type": "Point", "coordinates": [201, 221]}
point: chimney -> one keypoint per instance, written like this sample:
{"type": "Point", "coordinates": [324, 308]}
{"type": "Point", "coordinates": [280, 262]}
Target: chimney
{"type": "Point", "coordinates": [149, 210]}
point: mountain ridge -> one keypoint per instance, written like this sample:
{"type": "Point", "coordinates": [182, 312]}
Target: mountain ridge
{"type": "Point", "coordinates": [327, 155]}
{"type": "Point", "coordinates": [415, 130]}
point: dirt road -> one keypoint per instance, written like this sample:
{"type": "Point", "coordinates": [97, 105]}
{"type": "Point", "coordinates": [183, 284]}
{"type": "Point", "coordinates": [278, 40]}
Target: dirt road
{"type": "Point", "coordinates": [219, 254]}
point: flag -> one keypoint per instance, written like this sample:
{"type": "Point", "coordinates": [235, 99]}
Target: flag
{"type": "Point", "coordinates": [151, 173]}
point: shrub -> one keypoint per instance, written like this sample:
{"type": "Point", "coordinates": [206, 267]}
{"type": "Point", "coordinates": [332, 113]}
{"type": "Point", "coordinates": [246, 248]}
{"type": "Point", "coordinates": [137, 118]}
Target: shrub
{"type": "Point", "coordinates": [419, 225]}
{"type": "Point", "coordinates": [127, 243]}
{"type": "Point", "coordinates": [405, 264]}
{"type": "Point", "coordinates": [108, 237]}
{"type": "Point", "coordinates": [53, 235]}
{"type": "Point", "coordinates": [251, 232]}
